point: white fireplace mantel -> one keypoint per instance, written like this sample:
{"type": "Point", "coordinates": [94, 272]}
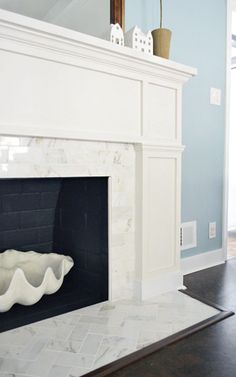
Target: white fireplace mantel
{"type": "Point", "coordinates": [57, 83]}
{"type": "Point", "coordinates": [51, 74]}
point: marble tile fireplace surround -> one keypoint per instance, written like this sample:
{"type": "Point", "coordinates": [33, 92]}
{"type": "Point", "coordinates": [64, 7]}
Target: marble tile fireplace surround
{"type": "Point", "coordinates": [76, 106]}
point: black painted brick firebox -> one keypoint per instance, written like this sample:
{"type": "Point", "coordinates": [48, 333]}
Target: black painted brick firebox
{"type": "Point", "coordinates": [62, 215]}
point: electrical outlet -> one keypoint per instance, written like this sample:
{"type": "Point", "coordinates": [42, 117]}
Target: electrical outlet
{"type": "Point", "coordinates": [215, 96]}
{"type": "Point", "coordinates": [212, 230]}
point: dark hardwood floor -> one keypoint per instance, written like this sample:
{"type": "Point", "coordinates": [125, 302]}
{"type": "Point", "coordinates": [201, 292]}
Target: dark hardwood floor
{"type": "Point", "coordinates": [208, 353]}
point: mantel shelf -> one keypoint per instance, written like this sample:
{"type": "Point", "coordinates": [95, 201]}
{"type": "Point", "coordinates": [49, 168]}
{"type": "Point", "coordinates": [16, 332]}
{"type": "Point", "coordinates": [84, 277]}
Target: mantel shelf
{"type": "Point", "coordinates": [31, 32]}
{"type": "Point", "coordinates": [77, 86]}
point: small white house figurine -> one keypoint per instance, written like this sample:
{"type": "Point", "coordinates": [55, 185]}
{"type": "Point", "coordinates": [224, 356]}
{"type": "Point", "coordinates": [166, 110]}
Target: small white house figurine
{"type": "Point", "coordinates": [115, 34]}
{"type": "Point", "coordinates": [139, 41]}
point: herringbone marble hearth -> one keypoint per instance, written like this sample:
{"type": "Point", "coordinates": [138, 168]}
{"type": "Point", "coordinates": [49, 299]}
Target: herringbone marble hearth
{"type": "Point", "coordinates": [72, 344]}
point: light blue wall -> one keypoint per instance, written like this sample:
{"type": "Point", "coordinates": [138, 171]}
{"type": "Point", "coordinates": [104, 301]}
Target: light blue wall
{"type": "Point", "coordinates": [199, 40]}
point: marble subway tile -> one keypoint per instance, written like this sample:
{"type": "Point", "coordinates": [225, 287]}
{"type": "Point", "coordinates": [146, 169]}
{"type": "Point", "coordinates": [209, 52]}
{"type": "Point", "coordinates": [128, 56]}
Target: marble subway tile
{"type": "Point", "coordinates": [19, 337]}
{"type": "Point", "coordinates": [42, 364]}
{"type": "Point", "coordinates": [59, 371]}
{"type": "Point", "coordinates": [105, 329]}
{"type": "Point", "coordinates": [14, 375]}
{"type": "Point", "coordinates": [4, 154]}
{"type": "Point", "coordinates": [77, 360]}
{"type": "Point", "coordinates": [113, 348]}
{"type": "Point", "coordinates": [41, 142]}
{"type": "Point", "coordinates": [64, 346]}
{"type": "Point", "coordinates": [10, 140]}
{"type": "Point", "coordinates": [38, 368]}
{"type": "Point", "coordinates": [91, 344]}
{"type": "Point", "coordinates": [12, 366]}
{"type": "Point", "coordinates": [146, 337]}
{"type": "Point", "coordinates": [121, 198]}
{"type": "Point", "coordinates": [56, 321]}
{"type": "Point", "coordinates": [61, 332]}
{"type": "Point", "coordinates": [32, 351]}
{"type": "Point", "coordinates": [21, 155]}
{"type": "Point", "coordinates": [12, 170]}
{"type": "Point", "coordinates": [122, 219]}
{"type": "Point", "coordinates": [10, 351]}
{"type": "Point", "coordinates": [78, 372]}
{"type": "Point", "coordinates": [80, 331]}
{"type": "Point", "coordinates": [92, 319]}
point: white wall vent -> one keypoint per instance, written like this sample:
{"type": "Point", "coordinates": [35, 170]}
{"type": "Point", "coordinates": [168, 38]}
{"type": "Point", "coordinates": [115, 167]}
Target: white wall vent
{"type": "Point", "coordinates": [188, 235]}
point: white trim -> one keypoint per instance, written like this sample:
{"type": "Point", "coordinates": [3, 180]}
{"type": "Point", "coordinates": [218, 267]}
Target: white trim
{"type": "Point", "coordinates": [227, 124]}
{"type": "Point", "coordinates": [202, 261]}
{"type": "Point", "coordinates": [234, 5]}
{"type": "Point", "coordinates": [38, 39]}
{"type": "Point", "coordinates": [147, 289]}
{"type": "Point", "coordinates": [98, 59]}
{"type": "Point", "coordinates": [233, 230]}
{"type": "Point", "coordinates": [44, 130]}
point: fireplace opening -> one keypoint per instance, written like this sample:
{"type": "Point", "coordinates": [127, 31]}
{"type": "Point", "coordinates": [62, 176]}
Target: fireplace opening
{"type": "Point", "coordinates": [62, 215]}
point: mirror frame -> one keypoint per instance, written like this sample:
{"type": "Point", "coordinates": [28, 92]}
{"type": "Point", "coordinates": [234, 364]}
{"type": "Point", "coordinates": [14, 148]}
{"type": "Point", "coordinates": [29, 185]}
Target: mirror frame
{"type": "Point", "coordinates": [117, 12]}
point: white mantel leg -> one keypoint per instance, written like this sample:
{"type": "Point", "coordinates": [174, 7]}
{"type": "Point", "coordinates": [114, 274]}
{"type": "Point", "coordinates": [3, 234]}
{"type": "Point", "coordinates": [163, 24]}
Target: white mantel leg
{"type": "Point", "coordinates": [157, 220]}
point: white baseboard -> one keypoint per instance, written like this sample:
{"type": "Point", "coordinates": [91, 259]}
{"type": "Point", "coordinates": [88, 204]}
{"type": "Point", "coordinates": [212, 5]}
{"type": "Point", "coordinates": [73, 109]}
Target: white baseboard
{"type": "Point", "coordinates": [150, 288]}
{"type": "Point", "coordinates": [201, 261]}
{"type": "Point", "coordinates": [232, 230]}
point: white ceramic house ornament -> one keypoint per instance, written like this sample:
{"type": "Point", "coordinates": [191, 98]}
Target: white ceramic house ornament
{"type": "Point", "coordinates": [139, 41]}
{"type": "Point", "coordinates": [115, 34]}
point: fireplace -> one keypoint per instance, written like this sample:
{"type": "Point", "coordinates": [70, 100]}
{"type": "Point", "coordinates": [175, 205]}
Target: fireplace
{"type": "Point", "coordinates": [86, 108]}
{"type": "Point", "coordinates": [63, 215]}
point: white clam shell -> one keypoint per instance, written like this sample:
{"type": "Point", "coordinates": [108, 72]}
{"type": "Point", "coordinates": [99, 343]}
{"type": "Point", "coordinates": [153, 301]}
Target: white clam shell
{"type": "Point", "coordinates": [26, 276]}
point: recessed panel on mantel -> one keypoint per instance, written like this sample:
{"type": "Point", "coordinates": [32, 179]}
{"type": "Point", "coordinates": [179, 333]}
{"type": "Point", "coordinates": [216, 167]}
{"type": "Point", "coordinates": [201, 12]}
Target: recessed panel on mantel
{"type": "Point", "coordinates": [162, 117]}
{"type": "Point", "coordinates": [161, 188]}
{"type": "Point", "coordinates": [65, 97]}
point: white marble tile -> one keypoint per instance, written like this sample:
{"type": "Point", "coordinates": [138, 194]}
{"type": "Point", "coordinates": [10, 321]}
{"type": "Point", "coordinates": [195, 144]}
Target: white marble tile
{"type": "Point", "coordinates": [10, 350]}
{"type": "Point", "coordinates": [59, 371]}
{"type": "Point", "coordinates": [57, 321]}
{"type": "Point", "coordinates": [34, 348]}
{"type": "Point", "coordinates": [4, 154]}
{"type": "Point", "coordinates": [38, 368]}
{"type": "Point", "coordinates": [60, 332]}
{"type": "Point", "coordinates": [88, 338]}
{"type": "Point", "coordinates": [91, 344]}
{"type": "Point", "coordinates": [146, 337]}
{"type": "Point", "coordinates": [12, 366]}
{"type": "Point", "coordinates": [105, 329]}
{"type": "Point", "coordinates": [93, 320]}
{"type": "Point", "coordinates": [14, 375]}
{"type": "Point", "coordinates": [106, 309]}
{"type": "Point", "coordinates": [78, 372]}
{"type": "Point", "coordinates": [19, 337]}
{"type": "Point", "coordinates": [163, 334]}
{"type": "Point", "coordinates": [77, 360]}
{"type": "Point", "coordinates": [80, 331]}
{"type": "Point", "coordinates": [113, 348]}
{"type": "Point", "coordinates": [11, 140]}
{"type": "Point", "coordinates": [42, 364]}
{"type": "Point", "coordinates": [65, 346]}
